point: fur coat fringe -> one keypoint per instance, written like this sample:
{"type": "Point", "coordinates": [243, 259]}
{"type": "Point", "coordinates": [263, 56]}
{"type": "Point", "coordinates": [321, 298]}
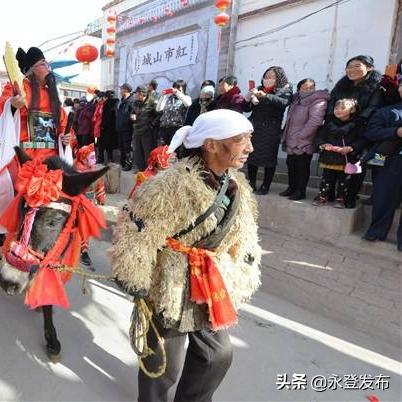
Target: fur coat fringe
{"type": "Point", "coordinates": [162, 207]}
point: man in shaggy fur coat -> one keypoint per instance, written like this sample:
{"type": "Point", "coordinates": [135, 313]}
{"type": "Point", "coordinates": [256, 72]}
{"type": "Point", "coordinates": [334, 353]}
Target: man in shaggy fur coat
{"type": "Point", "coordinates": [193, 267]}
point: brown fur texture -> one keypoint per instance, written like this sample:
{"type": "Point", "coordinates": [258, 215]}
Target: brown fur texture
{"type": "Point", "coordinates": [166, 204]}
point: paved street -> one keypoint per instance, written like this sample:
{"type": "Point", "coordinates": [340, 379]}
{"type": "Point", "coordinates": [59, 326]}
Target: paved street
{"type": "Point", "coordinates": [273, 337]}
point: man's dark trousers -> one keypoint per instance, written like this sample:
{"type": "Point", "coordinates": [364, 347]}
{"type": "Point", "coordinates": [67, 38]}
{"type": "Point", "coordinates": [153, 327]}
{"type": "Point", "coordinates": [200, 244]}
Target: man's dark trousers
{"type": "Point", "coordinates": [207, 360]}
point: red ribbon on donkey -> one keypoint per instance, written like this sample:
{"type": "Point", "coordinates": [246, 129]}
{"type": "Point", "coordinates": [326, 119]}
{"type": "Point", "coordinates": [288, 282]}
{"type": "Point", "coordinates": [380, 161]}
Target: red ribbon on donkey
{"type": "Point", "coordinates": [38, 186]}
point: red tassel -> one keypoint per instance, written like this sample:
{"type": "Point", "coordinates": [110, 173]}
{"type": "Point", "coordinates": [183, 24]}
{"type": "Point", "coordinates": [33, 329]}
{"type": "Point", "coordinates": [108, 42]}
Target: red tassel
{"type": "Point", "coordinates": [47, 290]}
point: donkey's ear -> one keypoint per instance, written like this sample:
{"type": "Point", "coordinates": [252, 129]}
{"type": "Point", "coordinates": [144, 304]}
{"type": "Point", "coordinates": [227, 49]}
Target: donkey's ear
{"type": "Point", "coordinates": [77, 183]}
{"type": "Point", "coordinates": [21, 155]}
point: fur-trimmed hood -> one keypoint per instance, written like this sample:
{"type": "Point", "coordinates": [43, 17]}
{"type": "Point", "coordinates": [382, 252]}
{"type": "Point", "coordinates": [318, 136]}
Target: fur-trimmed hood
{"type": "Point", "coordinates": [370, 83]}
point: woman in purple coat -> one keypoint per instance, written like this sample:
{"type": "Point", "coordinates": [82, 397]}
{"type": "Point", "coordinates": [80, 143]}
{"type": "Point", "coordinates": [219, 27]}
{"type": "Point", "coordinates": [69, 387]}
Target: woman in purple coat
{"type": "Point", "coordinates": [305, 116]}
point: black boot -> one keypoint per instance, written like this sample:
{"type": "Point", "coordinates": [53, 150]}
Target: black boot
{"type": "Point", "coordinates": [287, 192]}
{"type": "Point", "coordinates": [297, 196]}
{"type": "Point", "coordinates": [268, 176]}
{"type": "Point", "coordinates": [290, 162]}
{"type": "Point", "coordinates": [252, 176]}
{"type": "Point", "coordinates": [86, 259]}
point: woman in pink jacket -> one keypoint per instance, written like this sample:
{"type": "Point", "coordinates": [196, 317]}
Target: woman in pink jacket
{"type": "Point", "coordinates": [305, 116]}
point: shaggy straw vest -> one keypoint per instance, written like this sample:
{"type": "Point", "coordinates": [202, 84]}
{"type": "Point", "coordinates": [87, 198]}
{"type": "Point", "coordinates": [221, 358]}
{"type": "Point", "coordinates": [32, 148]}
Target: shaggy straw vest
{"type": "Point", "coordinates": [162, 207]}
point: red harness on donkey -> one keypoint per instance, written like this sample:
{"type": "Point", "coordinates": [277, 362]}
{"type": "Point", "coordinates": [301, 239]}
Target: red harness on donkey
{"type": "Point", "coordinates": [38, 186]}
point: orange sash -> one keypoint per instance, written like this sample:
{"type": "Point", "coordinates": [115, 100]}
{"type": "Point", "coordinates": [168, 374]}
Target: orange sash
{"type": "Point", "coordinates": [206, 285]}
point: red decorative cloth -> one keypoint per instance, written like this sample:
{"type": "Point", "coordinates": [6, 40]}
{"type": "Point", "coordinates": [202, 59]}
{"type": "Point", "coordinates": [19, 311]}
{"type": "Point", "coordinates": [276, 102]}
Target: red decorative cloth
{"type": "Point", "coordinates": [206, 285]}
{"type": "Point", "coordinates": [38, 184]}
{"type": "Point", "coordinates": [97, 119]}
{"type": "Point", "coordinates": [43, 106]}
{"type": "Point", "coordinates": [158, 159]}
{"type": "Point", "coordinates": [84, 152]}
{"type": "Point", "coordinates": [85, 221]}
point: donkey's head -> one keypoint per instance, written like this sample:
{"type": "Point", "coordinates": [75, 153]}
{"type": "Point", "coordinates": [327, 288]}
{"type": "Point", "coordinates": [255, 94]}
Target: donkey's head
{"type": "Point", "coordinates": [40, 226]}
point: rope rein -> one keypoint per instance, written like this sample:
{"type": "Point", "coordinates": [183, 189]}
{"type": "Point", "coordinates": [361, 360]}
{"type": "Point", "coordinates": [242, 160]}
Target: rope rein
{"type": "Point", "coordinates": [141, 322]}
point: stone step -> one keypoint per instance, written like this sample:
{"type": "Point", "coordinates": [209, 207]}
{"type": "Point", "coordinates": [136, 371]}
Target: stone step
{"type": "Point", "coordinates": [340, 227]}
{"type": "Point", "coordinates": [295, 217]}
{"type": "Point", "coordinates": [281, 177]}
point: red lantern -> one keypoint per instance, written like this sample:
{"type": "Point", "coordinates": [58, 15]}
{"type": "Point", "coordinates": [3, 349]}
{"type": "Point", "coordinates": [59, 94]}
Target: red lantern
{"type": "Point", "coordinates": [223, 4]}
{"type": "Point", "coordinates": [111, 30]}
{"type": "Point", "coordinates": [111, 18]}
{"type": "Point", "coordinates": [86, 54]}
{"type": "Point", "coordinates": [110, 41]}
{"type": "Point", "coordinates": [221, 19]}
{"type": "Point", "coordinates": [184, 3]}
{"type": "Point", "coordinates": [91, 89]}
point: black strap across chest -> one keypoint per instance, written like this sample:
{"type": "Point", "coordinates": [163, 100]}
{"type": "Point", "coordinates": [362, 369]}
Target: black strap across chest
{"type": "Point", "coordinates": [212, 209]}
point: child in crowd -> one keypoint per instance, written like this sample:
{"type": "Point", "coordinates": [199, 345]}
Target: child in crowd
{"type": "Point", "coordinates": [85, 161]}
{"type": "Point", "coordinates": [159, 159]}
{"type": "Point", "coordinates": [338, 144]}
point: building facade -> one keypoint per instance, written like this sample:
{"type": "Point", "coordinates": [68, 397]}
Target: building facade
{"type": "Point", "coordinates": [314, 38]}
{"type": "Point", "coordinates": [165, 40]}
{"type": "Point", "coordinates": [177, 39]}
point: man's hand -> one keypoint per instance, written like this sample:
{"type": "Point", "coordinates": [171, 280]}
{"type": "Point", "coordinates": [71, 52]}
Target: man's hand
{"type": "Point", "coordinates": [346, 150]}
{"type": "Point", "coordinates": [326, 147]}
{"type": "Point", "coordinates": [399, 132]}
{"type": "Point", "coordinates": [17, 101]}
{"type": "Point", "coordinates": [137, 294]}
{"type": "Point", "coordinates": [336, 149]}
{"type": "Point", "coordinates": [66, 139]}
{"type": "Point", "coordinates": [261, 94]}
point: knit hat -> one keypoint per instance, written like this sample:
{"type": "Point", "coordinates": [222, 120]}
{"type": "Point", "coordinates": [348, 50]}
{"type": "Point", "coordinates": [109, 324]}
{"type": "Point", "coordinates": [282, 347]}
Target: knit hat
{"type": "Point", "coordinates": [141, 88]}
{"type": "Point", "coordinates": [28, 59]}
{"type": "Point", "coordinates": [127, 87]}
{"type": "Point", "coordinates": [218, 124]}
{"type": "Point", "coordinates": [208, 90]}
{"type": "Point", "coordinates": [365, 59]}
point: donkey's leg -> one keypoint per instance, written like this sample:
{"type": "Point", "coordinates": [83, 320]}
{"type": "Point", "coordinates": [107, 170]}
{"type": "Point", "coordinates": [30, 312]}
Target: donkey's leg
{"type": "Point", "coordinates": [53, 346]}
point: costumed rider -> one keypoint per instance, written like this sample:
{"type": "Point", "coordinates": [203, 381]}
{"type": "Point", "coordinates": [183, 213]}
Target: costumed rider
{"type": "Point", "coordinates": [187, 244]}
{"type": "Point", "coordinates": [85, 161]}
{"type": "Point", "coordinates": [159, 159]}
{"type": "Point", "coordinates": [35, 123]}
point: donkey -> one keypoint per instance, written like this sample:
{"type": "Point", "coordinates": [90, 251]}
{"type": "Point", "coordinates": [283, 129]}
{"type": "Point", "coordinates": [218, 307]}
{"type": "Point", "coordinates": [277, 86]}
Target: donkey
{"type": "Point", "coordinates": [48, 222]}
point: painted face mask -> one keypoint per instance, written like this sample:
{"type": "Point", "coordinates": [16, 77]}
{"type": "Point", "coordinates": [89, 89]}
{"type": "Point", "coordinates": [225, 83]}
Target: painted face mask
{"type": "Point", "coordinates": [91, 159]}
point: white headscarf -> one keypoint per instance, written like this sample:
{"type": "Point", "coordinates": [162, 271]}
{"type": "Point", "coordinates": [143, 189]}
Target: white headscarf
{"type": "Point", "coordinates": [216, 125]}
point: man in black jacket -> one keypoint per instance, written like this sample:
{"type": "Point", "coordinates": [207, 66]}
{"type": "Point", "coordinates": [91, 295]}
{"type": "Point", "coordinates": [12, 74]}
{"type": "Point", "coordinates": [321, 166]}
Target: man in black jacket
{"type": "Point", "coordinates": [385, 127]}
{"type": "Point", "coordinates": [124, 125]}
{"type": "Point", "coordinates": [145, 120]}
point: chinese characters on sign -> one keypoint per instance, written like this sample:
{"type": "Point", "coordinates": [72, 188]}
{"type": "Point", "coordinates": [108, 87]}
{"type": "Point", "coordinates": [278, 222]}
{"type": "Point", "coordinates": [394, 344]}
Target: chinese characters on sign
{"type": "Point", "coordinates": [166, 55]}
{"type": "Point", "coordinates": [321, 383]}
